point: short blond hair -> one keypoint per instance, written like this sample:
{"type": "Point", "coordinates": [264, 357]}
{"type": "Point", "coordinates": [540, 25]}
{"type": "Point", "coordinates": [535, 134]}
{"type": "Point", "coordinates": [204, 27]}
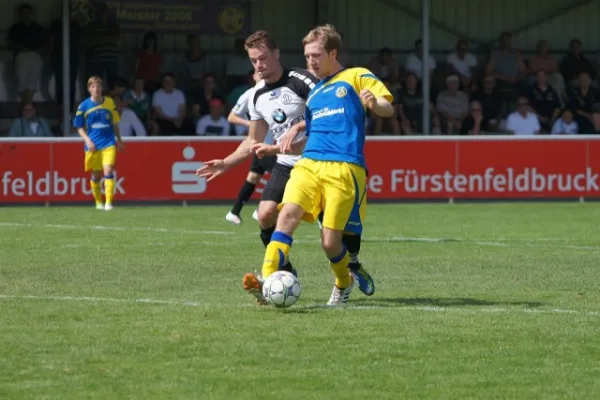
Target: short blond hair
{"type": "Point", "coordinates": [94, 79]}
{"type": "Point", "coordinates": [327, 35]}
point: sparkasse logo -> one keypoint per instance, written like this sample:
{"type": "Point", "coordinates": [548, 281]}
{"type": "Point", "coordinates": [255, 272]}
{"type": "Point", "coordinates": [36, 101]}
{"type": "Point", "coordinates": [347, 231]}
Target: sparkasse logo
{"type": "Point", "coordinates": [183, 175]}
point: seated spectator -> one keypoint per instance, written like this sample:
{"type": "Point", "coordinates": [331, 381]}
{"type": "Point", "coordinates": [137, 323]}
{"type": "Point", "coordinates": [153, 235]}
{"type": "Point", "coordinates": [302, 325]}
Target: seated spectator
{"type": "Point", "coordinates": [575, 63]}
{"type": "Point", "coordinates": [29, 124]}
{"type": "Point", "coordinates": [119, 88]}
{"type": "Point", "coordinates": [543, 60]}
{"type": "Point", "coordinates": [583, 100]}
{"type": "Point", "coordinates": [463, 63]}
{"type": "Point", "coordinates": [507, 66]}
{"type": "Point", "coordinates": [236, 70]}
{"type": "Point", "coordinates": [202, 96]}
{"type": "Point", "coordinates": [475, 123]}
{"type": "Point", "coordinates": [385, 66]}
{"type": "Point", "coordinates": [169, 106]}
{"type": "Point", "coordinates": [239, 90]}
{"type": "Point", "coordinates": [565, 125]}
{"type": "Point", "coordinates": [130, 124]}
{"type": "Point", "coordinates": [138, 100]}
{"type": "Point", "coordinates": [148, 62]}
{"type": "Point", "coordinates": [414, 61]}
{"type": "Point", "coordinates": [544, 100]}
{"type": "Point", "coordinates": [490, 99]}
{"type": "Point", "coordinates": [595, 123]}
{"type": "Point", "coordinates": [214, 123]}
{"type": "Point", "coordinates": [452, 105]}
{"type": "Point", "coordinates": [523, 122]}
{"type": "Point", "coordinates": [408, 103]}
{"type": "Point", "coordinates": [195, 64]}
{"type": "Point", "coordinates": [26, 38]}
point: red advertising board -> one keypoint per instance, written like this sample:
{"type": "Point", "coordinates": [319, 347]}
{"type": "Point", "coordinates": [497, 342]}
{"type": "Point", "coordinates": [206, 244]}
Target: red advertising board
{"type": "Point", "coordinates": [163, 169]}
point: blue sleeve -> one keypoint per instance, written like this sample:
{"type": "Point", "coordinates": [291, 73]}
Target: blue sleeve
{"type": "Point", "coordinates": [79, 120]}
{"type": "Point", "coordinates": [307, 119]}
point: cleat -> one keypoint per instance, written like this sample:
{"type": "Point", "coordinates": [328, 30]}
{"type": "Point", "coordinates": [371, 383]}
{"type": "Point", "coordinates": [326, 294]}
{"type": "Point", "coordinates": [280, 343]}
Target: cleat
{"type": "Point", "coordinates": [253, 285]}
{"type": "Point", "coordinates": [255, 215]}
{"type": "Point", "coordinates": [99, 206]}
{"type": "Point", "coordinates": [362, 278]}
{"type": "Point", "coordinates": [108, 207]}
{"type": "Point", "coordinates": [234, 219]}
{"type": "Point", "coordinates": [340, 296]}
{"type": "Point", "coordinates": [288, 267]}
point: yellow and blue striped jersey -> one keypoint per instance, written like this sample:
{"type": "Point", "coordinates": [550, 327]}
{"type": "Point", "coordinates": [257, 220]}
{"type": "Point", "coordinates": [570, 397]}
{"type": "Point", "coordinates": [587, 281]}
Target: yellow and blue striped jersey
{"type": "Point", "coordinates": [98, 119]}
{"type": "Point", "coordinates": [335, 116]}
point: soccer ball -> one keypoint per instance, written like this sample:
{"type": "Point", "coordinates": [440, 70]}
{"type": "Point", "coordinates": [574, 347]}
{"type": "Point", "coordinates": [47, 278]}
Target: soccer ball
{"type": "Point", "coordinates": [281, 289]}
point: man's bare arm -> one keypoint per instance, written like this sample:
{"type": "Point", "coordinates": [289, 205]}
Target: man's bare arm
{"type": "Point", "coordinates": [257, 133]}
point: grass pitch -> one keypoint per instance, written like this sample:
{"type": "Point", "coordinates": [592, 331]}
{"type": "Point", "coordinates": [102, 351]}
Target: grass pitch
{"type": "Point", "coordinates": [489, 301]}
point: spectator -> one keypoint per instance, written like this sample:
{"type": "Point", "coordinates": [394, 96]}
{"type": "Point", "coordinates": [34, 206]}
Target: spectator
{"type": "Point", "coordinates": [236, 70]}
{"type": "Point", "coordinates": [565, 125]}
{"type": "Point", "coordinates": [414, 61]}
{"type": "Point", "coordinates": [490, 99]}
{"type": "Point", "coordinates": [119, 88]}
{"type": "Point", "coordinates": [507, 66]}
{"type": "Point", "coordinates": [138, 100]}
{"type": "Point", "coordinates": [103, 52]}
{"type": "Point", "coordinates": [463, 63]}
{"type": "Point", "coordinates": [523, 121]}
{"type": "Point", "coordinates": [130, 124]}
{"type": "Point", "coordinates": [545, 101]}
{"type": "Point", "coordinates": [169, 106]}
{"type": "Point", "coordinates": [26, 38]}
{"type": "Point", "coordinates": [385, 66]}
{"type": "Point", "coordinates": [543, 60]}
{"type": "Point", "coordinates": [215, 123]}
{"type": "Point", "coordinates": [575, 63]}
{"type": "Point", "coordinates": [29, 124]}
{"type": "Point", "coordinates": [453, 106]}
{"type": "Point", "coordinates": [408, 103]}
{"type": "Point", "coordinates": [202, 96]}
{"type": "Point", "coordinates": [148, 62]}
{"type": "Point", "coordinates": [196, 64]}
{"type": "Point", "coordinates": [583, 101]}
{"type": "Point", "coordinates": [475, 123]}
{"type": "Point", "coordinates": [56, 51]}
{"type": "Point", "coordinates": [595, 123]}
{"type": "Point", "coordinates": [239, 90]}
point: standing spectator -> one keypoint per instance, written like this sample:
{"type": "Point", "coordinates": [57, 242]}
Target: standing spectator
{"type": "Point", "coordinates": [543, 60]}
{"type": "Point", "coordinates": [138, 100]}
{"type": "Point", "coordinates": [453, 106]}
{"type": "Point", "coordinates": [148, 62]}
{"type": "Point", "coordinates": [507, 66]}
{"type": "Point", "coordinates": [583, 101]}
{"type": "Point", "coordinates": [385, 66]}
{"type": "Point", "coordinates": [545, 101]}
{"type": "Point", "coordinates": [195, 64]}
{"type": "Point", "coordinates": [202, 96]}
{"type": "Point", "coordinates": [236, 70]}
{"type": "Point", "coordinates": [408, 103]}
{"type": "Point", "coordinates": [565, 125]}
{"type": "Point", "coordinates": [129, 124]}
{"type": "Point", "coordinates": [414, 61]}
{"type": "Point", "coordinates": [490, 99]}
{"type": "Point", "coordinates": [475, 123]}
{"type": "Point", "coordinates": [29, 124]}
{"type": "Point", "coordinates": [463, 63]}
{"type": "Point", "coordinates": [214, 123]}
{"type": "Point", "coordinates": [103, 52]}
{"type": "Point", "coordinates": [575, 63]}
{"type": "Point", "coordinates": [523, 121]}
{"type": "Point", "coordinates": [26, 38]}
{"type": "Point", "coordinates": [169, 106]}
{"type": "Point", "coordinates": [56, 50]}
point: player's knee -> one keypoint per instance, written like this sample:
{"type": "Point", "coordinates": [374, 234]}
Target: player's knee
{"type": "Point", "coordinates": [331, 242]}
{"type": "Point", "coordinates": [267, 215]}
{"type": "Point", "coordinates": [289, 217]}
{"type": "Point", "coordinates": [108, 170]}
{"type": "Point", "coordinates": [253, 178]}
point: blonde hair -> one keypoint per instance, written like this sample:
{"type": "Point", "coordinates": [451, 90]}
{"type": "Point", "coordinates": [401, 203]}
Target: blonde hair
{"type": "Point", "coordinates": [327, 35]}
{"type": "Point", "coordinates": [94, 79]}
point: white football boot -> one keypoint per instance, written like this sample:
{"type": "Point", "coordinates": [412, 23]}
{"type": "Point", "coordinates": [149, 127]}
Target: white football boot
{"type": "Point", "coordinates": [234, 219]}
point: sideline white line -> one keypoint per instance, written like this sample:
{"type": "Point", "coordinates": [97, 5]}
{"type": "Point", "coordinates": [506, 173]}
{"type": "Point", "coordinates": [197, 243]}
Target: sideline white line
{"type": "Point", "coordinates": [115, 228]}
{"type": "Point", "coordinates": [474, 309]}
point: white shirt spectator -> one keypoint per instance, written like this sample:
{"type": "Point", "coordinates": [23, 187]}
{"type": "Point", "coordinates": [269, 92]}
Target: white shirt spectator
{"type": "Point", "coordinates": [463, 66]}
{"type": "Point", "coordinates": [414, 64]}
{"type": "Point", "coordinates": [130, 123]}
{"type": "Point", "coordinates": [169, 102]}
{"type": "Point", "coordinates": [523, 125]}
{"type": "Point", "coordinates": [565, 128]}
{"type": "Point", "coordinates": [207, 126]}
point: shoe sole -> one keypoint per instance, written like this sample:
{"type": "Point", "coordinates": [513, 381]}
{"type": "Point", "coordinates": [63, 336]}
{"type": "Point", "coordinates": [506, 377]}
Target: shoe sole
{"type": "Point", "coordinates": [253, 287]}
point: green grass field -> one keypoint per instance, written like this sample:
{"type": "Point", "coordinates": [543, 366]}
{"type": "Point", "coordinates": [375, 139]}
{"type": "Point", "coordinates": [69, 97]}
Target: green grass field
{"type": "Point", "coordinates": [490, 301]}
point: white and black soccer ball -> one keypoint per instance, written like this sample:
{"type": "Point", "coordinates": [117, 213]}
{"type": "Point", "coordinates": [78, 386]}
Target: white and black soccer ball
{"type": "Point", "coordinates": [282, 289]}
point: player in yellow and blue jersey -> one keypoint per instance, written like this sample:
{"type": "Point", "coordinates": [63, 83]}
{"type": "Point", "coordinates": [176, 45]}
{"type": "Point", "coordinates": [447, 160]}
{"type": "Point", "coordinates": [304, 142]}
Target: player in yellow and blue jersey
{"type": "Point", "coordinates": [97, 122]}
{"type": "Point", "coordinates": [331, 176]}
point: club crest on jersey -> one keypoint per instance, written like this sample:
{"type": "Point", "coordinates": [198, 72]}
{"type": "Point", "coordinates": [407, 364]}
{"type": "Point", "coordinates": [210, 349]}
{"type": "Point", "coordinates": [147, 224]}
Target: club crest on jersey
{"type": "Point", "coordinates": [341, 92]}
{"type": "Point", "coordinates": [286, 99]}
{"type": "Point", "coordinates": [279, 116]}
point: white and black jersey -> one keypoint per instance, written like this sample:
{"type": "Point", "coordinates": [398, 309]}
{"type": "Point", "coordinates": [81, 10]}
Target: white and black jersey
{"type": "Point", "coordinates": [241, 109]}
{"type": "Point", "coordinates": [282, 104]}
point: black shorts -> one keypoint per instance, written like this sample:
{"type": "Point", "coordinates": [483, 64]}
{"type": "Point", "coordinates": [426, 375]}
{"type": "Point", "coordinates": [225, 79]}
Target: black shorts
{"type": "Point", "coordinates": [275, 187]}
{"type": "Point", "coordinates": [262, 165]}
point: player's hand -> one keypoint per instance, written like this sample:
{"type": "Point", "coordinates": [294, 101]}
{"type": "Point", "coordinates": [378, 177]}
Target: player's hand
{"type": "Point", "coordinates": [368, 99]}
{"type": "Point", "coordinates": [288, 139]}
{"type": "Point", "coordinates": [90, 145]}
{"type": "Point", "coordinates": [211, 169]}
{"type": "Point", "coordinates": [263, 150]}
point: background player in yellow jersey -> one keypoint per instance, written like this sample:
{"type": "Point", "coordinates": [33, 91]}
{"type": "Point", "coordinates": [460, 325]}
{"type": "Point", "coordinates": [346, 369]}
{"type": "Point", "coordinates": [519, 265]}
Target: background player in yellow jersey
{"type": "Point", "coordinates": [331, 176]}
{"type": "Point", "coordinates": [97, 122]}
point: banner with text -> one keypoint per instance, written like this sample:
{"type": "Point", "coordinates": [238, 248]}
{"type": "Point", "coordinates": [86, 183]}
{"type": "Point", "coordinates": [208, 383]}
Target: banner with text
{"type": "Point", "coordinates": [405, 169]}
{"type": "Point", "coordinates": [209, 17]}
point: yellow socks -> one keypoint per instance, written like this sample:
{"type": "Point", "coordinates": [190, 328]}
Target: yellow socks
{"type": "Point", "coordinates": [277, 253]}
{"type": "Point", "coordinates": [339, 265]}
{"type": "Point", "coordinates": [109, 188]}
{"type": "Point", "coordinates": [96, 192]}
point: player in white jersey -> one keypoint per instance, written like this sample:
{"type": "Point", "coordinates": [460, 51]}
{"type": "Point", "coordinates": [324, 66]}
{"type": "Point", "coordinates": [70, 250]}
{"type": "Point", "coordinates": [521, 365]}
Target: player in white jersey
{"type": "Point", "coordinates": [240, 117]}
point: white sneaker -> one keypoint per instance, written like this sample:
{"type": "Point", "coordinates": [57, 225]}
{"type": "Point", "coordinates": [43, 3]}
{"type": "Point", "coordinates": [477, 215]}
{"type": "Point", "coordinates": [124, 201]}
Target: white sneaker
{"type": "Point", "coordinates": [255, 215]}
{"type": "Point", "coordinates": [99, 206]}
{"type": "Point", "coordinates": [108, 207]}
{"type": "Point", "coordinates": [340, 296]}
{"type": "Point", "coordinates": [234, 219]}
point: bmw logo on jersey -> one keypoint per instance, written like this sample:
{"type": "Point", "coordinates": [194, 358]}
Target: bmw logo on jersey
{"type": "Point", "coordinates": [279, 116]}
